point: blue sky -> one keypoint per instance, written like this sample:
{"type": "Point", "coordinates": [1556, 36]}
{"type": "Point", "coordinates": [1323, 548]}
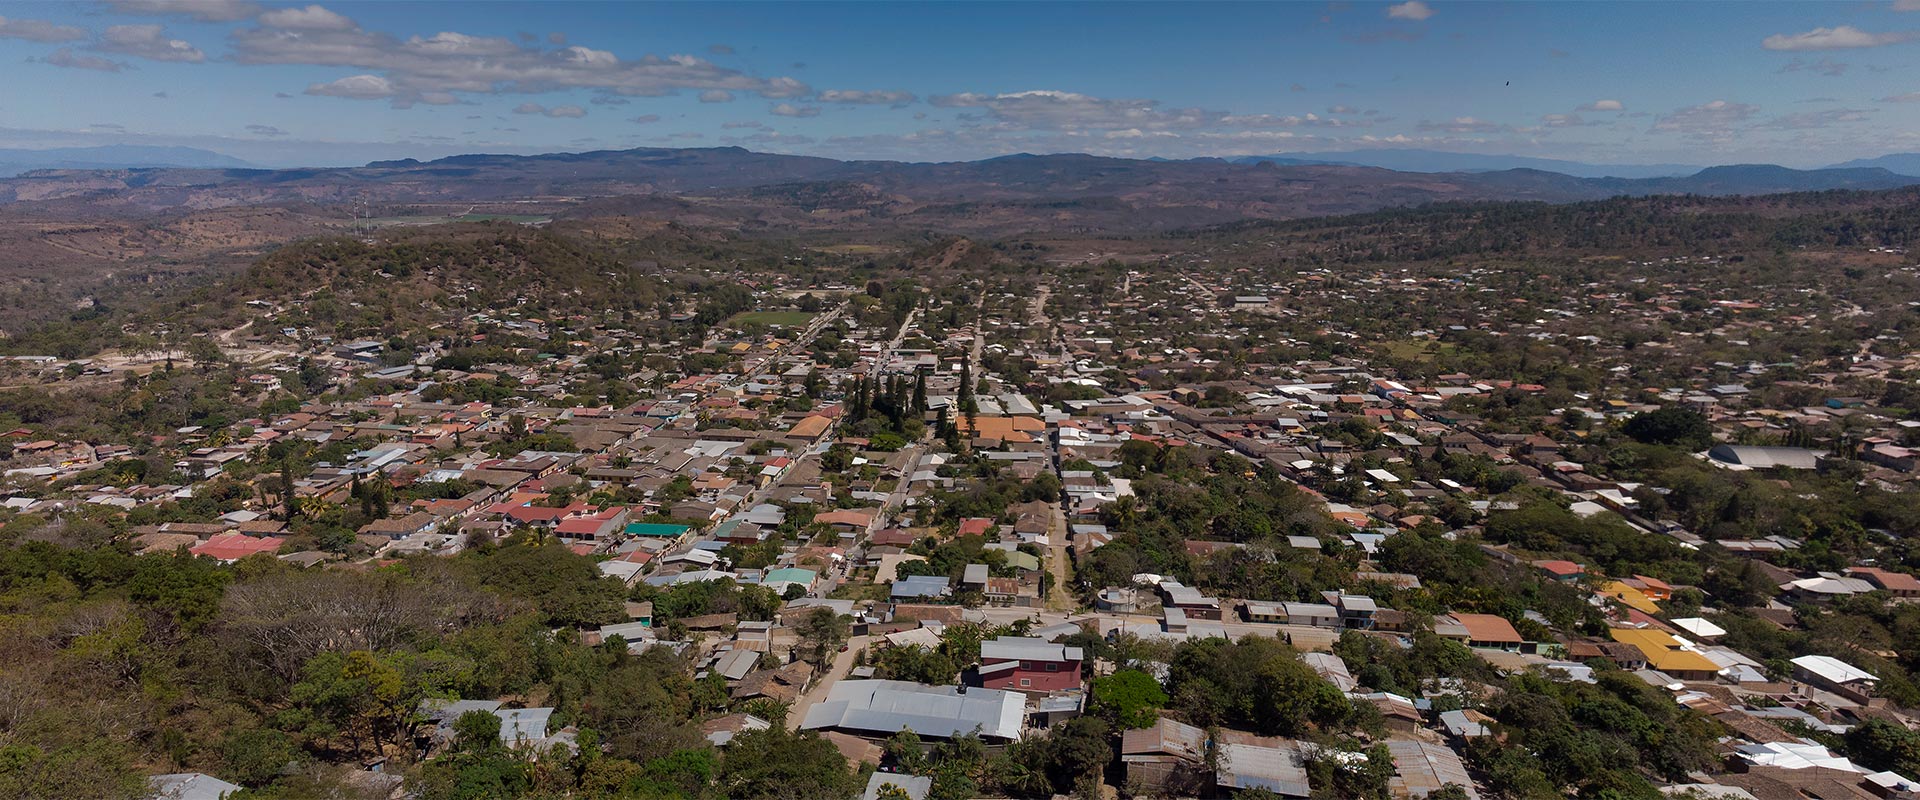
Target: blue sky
{"type": "Point", "coordinates": [1803, 84]}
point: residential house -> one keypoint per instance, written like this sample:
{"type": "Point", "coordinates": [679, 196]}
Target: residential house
{"type": "Point", "coordinates": [878, 709]}
{"type": "Point", "coordinates": [1481, 630]}
{"type": "Point", "coordinates": [1667, 654]}
{"type": "Point", "coordinates": [1170, 757]}
{"type": "Point", "coordinates": [1029, 665]}
{"type": "Point", "coordinates": [1835, 676]}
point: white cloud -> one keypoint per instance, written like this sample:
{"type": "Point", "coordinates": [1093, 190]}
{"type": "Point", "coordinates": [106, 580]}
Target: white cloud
{"type": "Point", "coordinates": [782, 88]}
{"type": "Point", "coordinates": [1810, 120]}
{"type": "Point", "coordinates": [1825, 66]}
{"type": "Point", "coordinates": [1715, 120]}
{"type": "Point", "coordinates": [65, 57]}
{"type": "Point", "coordinates": [716, 96]}
{"type": "Point", "coordinates": [451, 63]}
{"type": "Point", "coordinates": [1071, 112]}
{"type": "Point", "coordinates": [1412, 9]}
{"type": "Point", "coordinates": [1906, 5]}
{"type": "Point", "coordinates": [1464, 125]}
{"type": "Point", "coordinates": [557, 112]}
{"type": "Point", "coordinates": [1842, 37]}
{"type": "Point", "coordinates": [1048, 109]}
{"type": "Point", "coordinates": [38, 30]}
{"type": "Point", "coordinates": [311, 18]}
{"type": "Point", "coordinates": [200, 10]}
{"type": "Point", "coordinates": [1603, 105]}
{"type": "Point", "coordinates": [791, 110]}
{"type": "Point", "coordinates": [357, 87]}
{"type": "Point", "coordinates": [149, 42]}
{"type": "Point", "coordinates": [857, 97]}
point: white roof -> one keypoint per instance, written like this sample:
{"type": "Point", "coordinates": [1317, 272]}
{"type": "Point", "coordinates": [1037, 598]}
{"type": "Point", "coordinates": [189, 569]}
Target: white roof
{"type": "Point", "coordinates": [1833, 669]}
{"type": "Point", "coordinates": [190, 786]}
{"type": "Point", "coordinates": [1700, 627]}
{"type": "Point", "coordinates": [1794, 755]}
{"type": "Point", "coordinates": [924, 637]}
{"type": "Point", "coordinates": [916, 786]}
{"type": "Point", "coordinates": [624, 570]}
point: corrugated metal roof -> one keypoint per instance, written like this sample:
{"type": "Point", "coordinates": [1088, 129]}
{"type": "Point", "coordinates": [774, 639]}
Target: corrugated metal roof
{"type": "Point", "coordinates": [1275, 769]}
{"type": "Point", "coordinates": [887, 707]}
{"type": "Point", "coordinates": [1422, 768]}
{"type": "Point", "coordinates": [1021, 648]}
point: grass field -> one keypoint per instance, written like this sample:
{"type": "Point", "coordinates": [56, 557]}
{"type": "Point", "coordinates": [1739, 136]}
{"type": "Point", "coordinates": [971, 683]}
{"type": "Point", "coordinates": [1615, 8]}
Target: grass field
{"type": "Point", "coordinates": [1423, 350]}
{"type": "Point", "coordinates": [788, 319]}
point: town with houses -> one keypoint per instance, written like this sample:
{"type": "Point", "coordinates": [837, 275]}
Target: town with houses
{"type": "Point", "coordinates": [1002, 475]}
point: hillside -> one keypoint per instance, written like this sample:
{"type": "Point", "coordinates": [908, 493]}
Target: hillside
{"type": "Point", "coordinates": [16, 161]}
{"type": "Point", "coordinates": [1417, 160]}
{"type": "Point", "coordinates": [1069, 191]}
{"type": "Point", "coordinates": [1650, 226]}
{"type": "Point", "coordinates": [73, 241]}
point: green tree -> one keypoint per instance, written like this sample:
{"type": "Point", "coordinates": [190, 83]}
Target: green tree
{"type": "Point", "coordinates": [1128, 698]}
{"type": "Point", "coordinates": [1671, 425]}
{"type": "Point", "coordinates": [821, 633]}
{"type": "Point", "coordinates": [777, 764]}
{"type": "Point", "coordinates": [477, 730]}
{"type": "Point", "coordinates": [255, 756]}
{"type": "Point", "coordinates": [1882, 745]}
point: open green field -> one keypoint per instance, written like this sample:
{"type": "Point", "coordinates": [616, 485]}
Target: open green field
{"type": "Point", "coordinates": [1423, 350]}
{"type": "Point", "coordinates": [787, 319]}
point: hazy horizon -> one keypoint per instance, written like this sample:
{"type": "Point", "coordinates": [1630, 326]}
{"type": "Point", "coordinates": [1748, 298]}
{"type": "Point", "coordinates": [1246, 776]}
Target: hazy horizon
{"type": "Point", "coordinates": [1798, 84]}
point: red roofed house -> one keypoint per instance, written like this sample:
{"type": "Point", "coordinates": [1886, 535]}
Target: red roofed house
{"type": "Point", "coordinates": [593, 527]}
{"type": "Point", "coordinates": [1898, 584]}
{"type": "Point", "coordinates": [1654, 588]}
{"type": "Point", "coordinates": [847, 519]}
{"type": "Point", "coordinates": [1487, 630]}
{"type": "Point", "coordinates": [975, 526]}
{"type": "Point", "coordinates": [537, 516]}
{"type": "Point", "coordinates": [231, 547]}
{"type": "Point", "coordinates": [810, 429]}
{"type": "Point", "coordinates": [1560, 570]}
{"type": "Point", "coordinates": [893, 537]}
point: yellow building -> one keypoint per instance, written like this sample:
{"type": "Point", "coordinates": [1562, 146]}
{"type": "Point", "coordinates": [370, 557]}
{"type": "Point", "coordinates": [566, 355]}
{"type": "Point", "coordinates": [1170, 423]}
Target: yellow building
{"type": "Point", "coordinates": [1664, 654]}
{"type": "Point", "coordinates": [1633, 598]}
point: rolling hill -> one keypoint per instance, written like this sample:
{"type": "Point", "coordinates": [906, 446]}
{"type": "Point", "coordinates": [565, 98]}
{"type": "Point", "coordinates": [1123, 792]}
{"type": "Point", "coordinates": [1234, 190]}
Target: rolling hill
{"type": "Point", "coordinates": [998, 194]}
{"type": "Point", "coordinates": [15, 161]}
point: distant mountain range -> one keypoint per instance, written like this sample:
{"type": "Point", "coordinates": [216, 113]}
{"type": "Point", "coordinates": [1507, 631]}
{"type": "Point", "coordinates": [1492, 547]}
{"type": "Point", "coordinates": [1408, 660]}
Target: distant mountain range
{"type": "Point", "coordinates": [735, 187]}
{"type": "Point", "coordinates": [1903, 163]}
{"type": "Point", "coordinates": [122, 156]}
{"type": "Point", "coordinates": [1413, 160]}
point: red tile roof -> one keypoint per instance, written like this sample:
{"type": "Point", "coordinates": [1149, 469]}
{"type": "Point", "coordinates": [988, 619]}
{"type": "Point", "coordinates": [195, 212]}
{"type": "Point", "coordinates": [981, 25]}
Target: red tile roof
{"type": "Point", "coordinates": [236, 546]}
{"type": "Point", "coordinates": [1488, 628]}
